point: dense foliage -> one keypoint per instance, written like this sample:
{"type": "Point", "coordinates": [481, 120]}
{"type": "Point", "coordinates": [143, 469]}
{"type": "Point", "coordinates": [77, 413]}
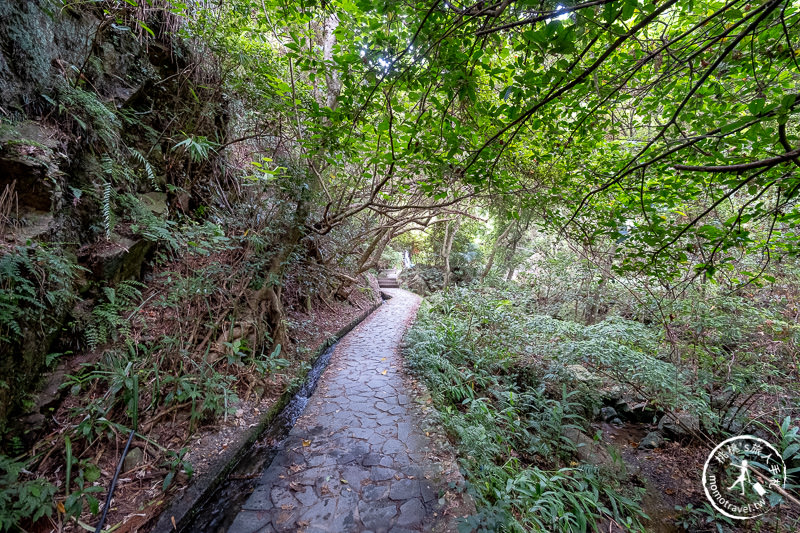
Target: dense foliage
{"type": "Point", "coordinates": [509, 416]}
{"type": "Point", "coordinates": [590, 112]}
{"type": "Point", "coordinates": [625, 170]}
{"type": "Point", "coordinates": [512, 388]}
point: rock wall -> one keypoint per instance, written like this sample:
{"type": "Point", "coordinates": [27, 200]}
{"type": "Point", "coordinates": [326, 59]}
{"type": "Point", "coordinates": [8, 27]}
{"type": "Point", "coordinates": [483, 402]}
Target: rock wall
{"type": "Point", "coordinates": [88, 101]}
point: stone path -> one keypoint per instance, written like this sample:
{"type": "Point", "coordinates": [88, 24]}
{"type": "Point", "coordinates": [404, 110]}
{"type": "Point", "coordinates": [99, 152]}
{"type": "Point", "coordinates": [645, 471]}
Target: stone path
{"type": "Point", "coordinates": [356, 460]}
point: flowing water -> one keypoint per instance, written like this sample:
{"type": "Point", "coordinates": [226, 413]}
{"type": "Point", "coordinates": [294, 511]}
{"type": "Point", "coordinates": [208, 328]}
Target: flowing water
{"type": "Point", "coordinates": [219, 511]}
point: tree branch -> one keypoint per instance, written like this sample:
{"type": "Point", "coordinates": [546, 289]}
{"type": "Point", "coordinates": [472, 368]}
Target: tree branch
{"type": "Point", "coordinates": [543, 16]}
{"type": "Point", "coordinates": [771, 162]}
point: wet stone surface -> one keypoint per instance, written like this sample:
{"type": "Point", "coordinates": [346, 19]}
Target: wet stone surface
{"type": "Point", "coordinates": [356, 459]}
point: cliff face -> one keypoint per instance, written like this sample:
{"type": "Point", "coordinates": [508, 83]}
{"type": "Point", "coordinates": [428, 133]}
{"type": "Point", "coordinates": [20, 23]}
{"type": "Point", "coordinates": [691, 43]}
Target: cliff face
{"type": "Point", "coordinates": [90, 97]}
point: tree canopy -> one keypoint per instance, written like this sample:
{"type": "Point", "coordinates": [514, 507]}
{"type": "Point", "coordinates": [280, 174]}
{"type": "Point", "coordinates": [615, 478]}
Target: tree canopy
{"type": "Point", "coordinates": [667, 127]}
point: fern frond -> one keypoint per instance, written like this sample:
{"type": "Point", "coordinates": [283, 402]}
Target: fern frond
{"type": "Point", "coordinates": [108, 318]}
{"type": "Point", "coordinates": [107, 215]}
{"type": "Point", "coordinates": [148, 169]}
{"type": "Point", "coordinates": [108, 165]}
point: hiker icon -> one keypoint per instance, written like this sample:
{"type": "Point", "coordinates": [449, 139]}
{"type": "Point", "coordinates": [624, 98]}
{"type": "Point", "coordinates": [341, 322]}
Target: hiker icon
{"type": "Point", "coordinates": [744, 475]}
{"type": "Point", "coordinates": [754, 466]}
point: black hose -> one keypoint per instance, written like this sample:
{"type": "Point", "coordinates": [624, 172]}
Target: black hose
{"type": "Point", "coordinates": [114, 483]}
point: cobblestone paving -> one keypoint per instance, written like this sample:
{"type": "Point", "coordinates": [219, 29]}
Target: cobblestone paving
{"type": "Point", "coordinates": [356, 460]}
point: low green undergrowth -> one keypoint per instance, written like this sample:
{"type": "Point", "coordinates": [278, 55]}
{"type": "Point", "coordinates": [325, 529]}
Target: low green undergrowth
{"type": "Point", "coordinates": [509, 417]}
{"type": "Point", "coordinates": [20, 496]}
{"type": "Point", "coordinates": [164, 350]}
{"type": "Point", "coordinates": [35, 285]}
{"type": "Point", "coordinates": [514, 386]}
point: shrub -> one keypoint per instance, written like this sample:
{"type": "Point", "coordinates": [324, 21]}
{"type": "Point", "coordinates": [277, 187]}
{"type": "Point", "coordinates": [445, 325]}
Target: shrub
{"type": "Point", "coordinates": [22, 499]}
{"type": "Point", "coordinates": [470, 347]}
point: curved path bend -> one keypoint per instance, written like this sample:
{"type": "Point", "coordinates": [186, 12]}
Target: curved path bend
{"type": "Point", "coordinates": [356, 460]}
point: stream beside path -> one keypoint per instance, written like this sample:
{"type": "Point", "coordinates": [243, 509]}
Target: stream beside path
{"type": "Point", "coordinates": [356, 459]}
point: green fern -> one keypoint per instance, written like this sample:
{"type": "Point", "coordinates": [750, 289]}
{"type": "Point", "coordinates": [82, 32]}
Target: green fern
{"type": "Point", "coordinates": [477, 354]}
{"type": "Point", "coordinates": [35, 285]}
{"type": "Point", "coordinates": [151, 227]}
{"type": "Point", "coordinates": [148, 169]}
{"type": "Point", "coordinates": [108, 216]}
{"type": "Point", "coordinates": [109, 321]}
{"type": "Point", "coordinates": [17, 291]}
{"type": "Point", "coordinates": [95, 118]}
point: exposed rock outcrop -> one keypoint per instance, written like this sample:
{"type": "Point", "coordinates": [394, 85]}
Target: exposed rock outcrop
{"type": "Point", "coordinates": [87, 111]}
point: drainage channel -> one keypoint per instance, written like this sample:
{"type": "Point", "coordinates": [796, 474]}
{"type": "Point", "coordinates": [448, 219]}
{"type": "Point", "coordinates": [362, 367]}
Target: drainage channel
{"type": "Point", "coordinates": [218, 512]}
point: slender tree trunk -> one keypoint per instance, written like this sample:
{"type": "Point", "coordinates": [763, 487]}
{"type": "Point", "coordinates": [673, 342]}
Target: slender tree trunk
{"type": "Point", "coordinates": [270, 293]}
{"type": "Point", "coordinates": [447, 246]}
{"type": "Point", "coordinates": [444, 240]}
{"type": "Point", "coordinates": [490, 261]}
{"type": "Point", "coordinates": [594, 305]}
{"type": "Point", "coordinates": [376, 251]}
{"type": "Point", "coordinates": [605, 275]}
{"type": "Point", "coordinates": [367, 254]}
{"type": "Point", "coordinates": [510, 256]}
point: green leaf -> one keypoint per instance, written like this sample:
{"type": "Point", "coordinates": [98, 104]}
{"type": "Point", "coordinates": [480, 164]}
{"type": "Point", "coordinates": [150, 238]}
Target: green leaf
{"type": "Point", "coordinates": [167, 481]}
{"type": "Point", "coordinates": [756, 106]}
{"type": "Point", "coordinates": [790, 451]}
{"type": "Point", "coordinates": [94, 505]}
{"type": "Point", "coordinates": [146, 28]}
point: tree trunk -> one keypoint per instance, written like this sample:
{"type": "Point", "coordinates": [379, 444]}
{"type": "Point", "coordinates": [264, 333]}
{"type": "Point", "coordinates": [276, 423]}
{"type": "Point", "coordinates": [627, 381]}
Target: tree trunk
{"type": "Point", "coordinates": [379, 251]}
{"type": "Point", "coordinates": [510, 256]}
{"type": "Point", "coordinates": [447, 246]}
{"type": "Point", "coordinates": [270, 293]}
{"type": "Point", "coordinates": [594, 304]}
{"type": "Point", "coordinates": [605, 275]}
{"type": "Point", "coordinates": [490, 261]}
{"type": "Point", "coordinates": [364, 262]}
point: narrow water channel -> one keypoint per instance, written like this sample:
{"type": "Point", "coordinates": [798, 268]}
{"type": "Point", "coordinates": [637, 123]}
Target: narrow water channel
{"type": "Point", "coordinates": [655, 502]}
{"type": "Point", "coordinates": [218, 512]}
